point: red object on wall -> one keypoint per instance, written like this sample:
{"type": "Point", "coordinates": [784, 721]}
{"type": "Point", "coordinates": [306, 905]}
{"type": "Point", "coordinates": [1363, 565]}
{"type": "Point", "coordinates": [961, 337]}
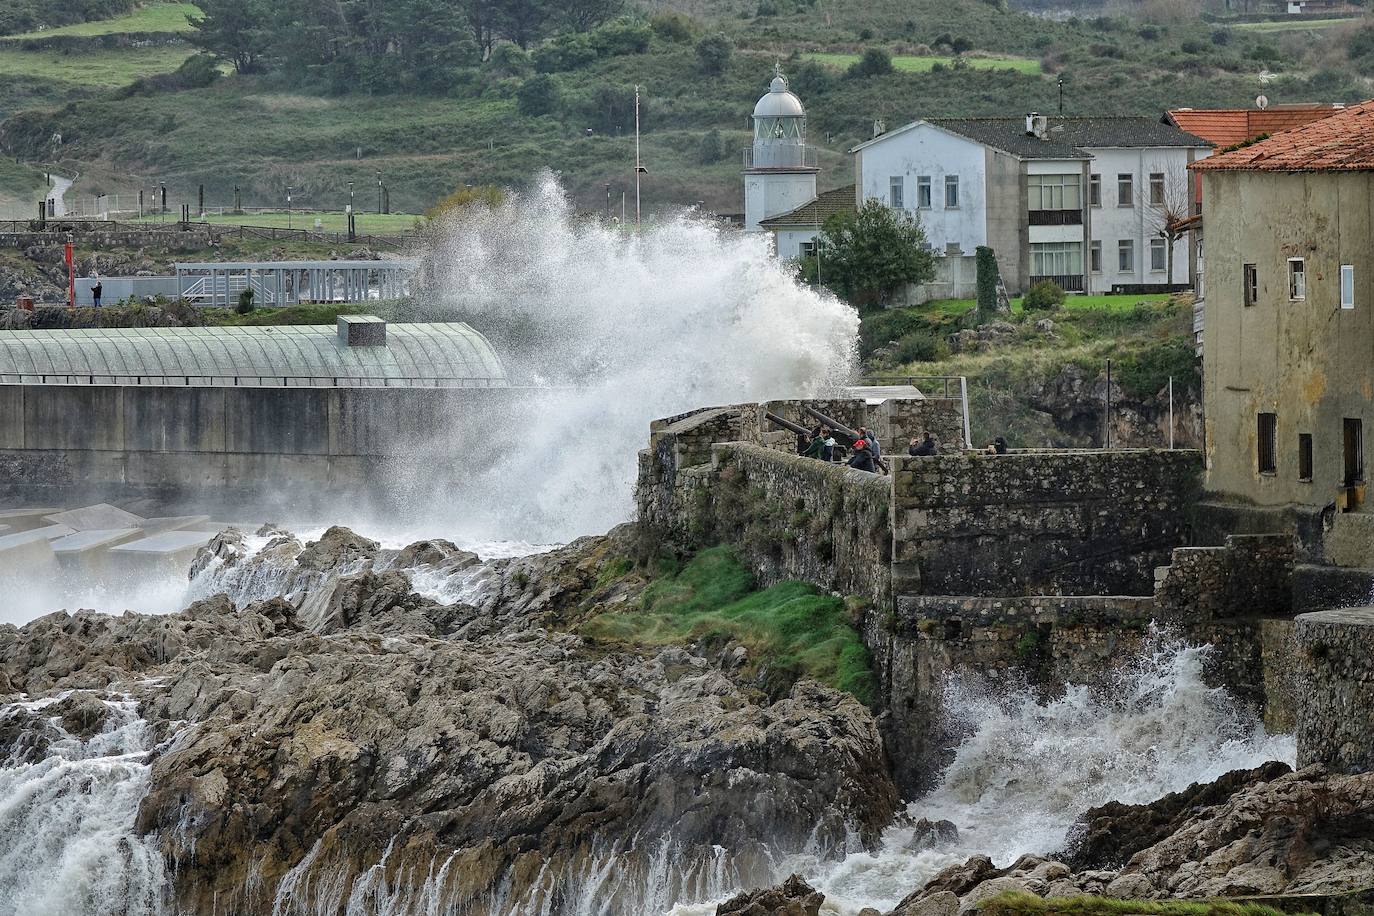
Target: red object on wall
{"type": "Point", "coordinates": [71, 277]}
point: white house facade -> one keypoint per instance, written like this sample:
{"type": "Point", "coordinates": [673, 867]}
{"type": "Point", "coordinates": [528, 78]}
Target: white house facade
{"type": "Point", "coordinates": [1081, 201]}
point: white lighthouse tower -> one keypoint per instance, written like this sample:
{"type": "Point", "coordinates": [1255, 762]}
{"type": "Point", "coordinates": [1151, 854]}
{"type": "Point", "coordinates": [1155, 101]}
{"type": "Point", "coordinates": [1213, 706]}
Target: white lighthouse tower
{"type": "Point", "coordinates": [779, 169]}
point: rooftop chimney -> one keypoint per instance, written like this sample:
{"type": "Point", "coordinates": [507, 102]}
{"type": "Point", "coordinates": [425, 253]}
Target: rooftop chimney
{"type": "Point", "coordinates": [1037, 125]}
{"type": "Point", "coordinates": [361, 331]}
{"type": "Point", "coordinates": [879, 127]}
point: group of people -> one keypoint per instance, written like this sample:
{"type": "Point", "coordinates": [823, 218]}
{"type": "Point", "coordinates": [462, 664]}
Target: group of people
{"type": "Point", "coordinates": [865, 452]}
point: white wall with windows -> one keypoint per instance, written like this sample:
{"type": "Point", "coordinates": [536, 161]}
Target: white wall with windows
{"type": "Point", "coordinates": [933, 174]}
{"type": "Point", "coordinates": [1128, 193]}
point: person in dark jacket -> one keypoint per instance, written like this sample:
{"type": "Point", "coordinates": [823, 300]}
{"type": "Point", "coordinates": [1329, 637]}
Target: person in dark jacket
{"type": "Point", "coordinates": [923, 449]}
{"type": "Point", "coordinates": [874, 445]}
{"type": "Point", "coordinates": [816, 447]}
{"type": "Point", "coordinates": [998, 447]}
{"type": "Point", "coordinates": [95, 293]}
{"type": "Point", "coordinates": [862, 459]}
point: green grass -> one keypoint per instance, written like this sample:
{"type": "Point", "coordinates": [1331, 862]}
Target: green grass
{"type": "Point", "coordinates": [374, 223]}
{"type": "Point", "coordinates": [21, 187]}
{"type": "Point", "coordinates": [1301, 25]}
{"type": "Point", "coordinates": [1106, 302]}
{"type": "Point", "coordinates": [91, 70]}
{"type": "Point", "coordinates": [155, 17]}
{"type": "Point", "coordinates": [1016, 903]}
{"type": "Point", "coordinates": [791, 628]}
{"type": "Point", "coordinates": [312, 313]}
{"type": "Point", "coordinates": [910, 63]}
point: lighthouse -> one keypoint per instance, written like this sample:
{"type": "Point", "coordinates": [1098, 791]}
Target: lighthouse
{"type": "Point", "coordinates": [779, 169]}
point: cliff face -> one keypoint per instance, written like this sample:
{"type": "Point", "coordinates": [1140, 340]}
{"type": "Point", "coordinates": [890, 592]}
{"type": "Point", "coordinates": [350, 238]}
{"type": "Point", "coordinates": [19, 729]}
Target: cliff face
{"type": "Point", "coordinates": [360, 742]}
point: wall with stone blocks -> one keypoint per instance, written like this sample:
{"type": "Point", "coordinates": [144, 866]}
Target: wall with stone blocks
{"type": "Point", "coordinates": [1334, 681]}
{"type": "Point", "coordinates": [1048, 522]}
{"type": "Point", "coordinates": [1249, 575]}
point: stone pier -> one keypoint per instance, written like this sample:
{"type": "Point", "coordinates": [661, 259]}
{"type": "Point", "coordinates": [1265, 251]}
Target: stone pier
{"type": "Point", "coordinates": [1335, 686]}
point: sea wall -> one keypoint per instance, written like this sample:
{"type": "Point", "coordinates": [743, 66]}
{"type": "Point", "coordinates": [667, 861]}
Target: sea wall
{"type": "Point", "coordinates": [1085, 522]}
{"type": "Point", "coordinates": [1334, 676]}
{"type": "Point", "coordinates": [229, 444]}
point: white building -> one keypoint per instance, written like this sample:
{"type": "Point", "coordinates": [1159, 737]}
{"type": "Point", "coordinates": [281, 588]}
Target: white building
{"type": "Point", "coordinates": [1081, 201]}
{"type": "Point", "coordinates": [779, 169]}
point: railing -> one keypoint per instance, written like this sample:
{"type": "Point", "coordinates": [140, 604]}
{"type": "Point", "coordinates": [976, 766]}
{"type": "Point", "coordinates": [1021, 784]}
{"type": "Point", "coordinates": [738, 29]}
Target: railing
{"type": "Point", "coordinates": [1072, 283]}
{"type": "Point", "coordinates": [783, 156]}
{"type": "Point", "coordinates": [64, 224]}
{"type": "Point", "coordinates": [245, 381]}
{"type": "Point", "coordinates": [1056, 217]}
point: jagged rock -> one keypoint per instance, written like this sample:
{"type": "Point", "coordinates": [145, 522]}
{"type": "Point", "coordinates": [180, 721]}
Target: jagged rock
{"type": "Point", "coordinates": [794, 897]}
{"type": "Point", "coordinates": [940, 903]}
{"type": "Point", "coordinates": [1107, 836]}
{"type": "Point", "coordinates": [931, 834]}
{"type": "Point", "coordinates": [82, 713]}
{"type": "Point", "coordinates": [960, 879]}
{"type": "Point", "coordinates": [492, 741]}
{"type": "Point", "coordinates": [987, 890]}
{"type": "Point", "coordinates": [444, 555]}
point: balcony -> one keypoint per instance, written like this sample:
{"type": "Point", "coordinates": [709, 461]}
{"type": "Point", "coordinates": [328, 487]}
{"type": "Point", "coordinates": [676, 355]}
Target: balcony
{"type": "Point", "coordinates": [1056, 217]}
{"type": "Point", "coordinates": [1070, 283]}
{"type": "Point", "coordinates": [782, 156]}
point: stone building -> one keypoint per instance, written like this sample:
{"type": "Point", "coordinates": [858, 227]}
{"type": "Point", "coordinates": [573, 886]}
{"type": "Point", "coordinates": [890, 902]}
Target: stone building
{"type": "Point", "coordinates": [1290, 314]}
{"type": "Point", "coordinates": [1080, 201]}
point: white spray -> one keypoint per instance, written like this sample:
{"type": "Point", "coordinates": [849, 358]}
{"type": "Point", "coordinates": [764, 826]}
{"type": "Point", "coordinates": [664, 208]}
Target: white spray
{"type": "Point", "coordinates": [636, 327]}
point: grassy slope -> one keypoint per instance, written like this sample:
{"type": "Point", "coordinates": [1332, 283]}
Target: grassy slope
{"type": "Point", "coordinates": [1146, 337]}
{"type": "Point", "coordinates": [155, 17]}
{"type": "Point", "coordinates": [264, 135]}
{"type": "Point", "coordinates": [791, 628]}
{"type": "Point", "coordinates": [21, 187]}
{"type": "Point", "coordinates": [330, 221]}
{"type": "Point", "coordinates": [910, 63]}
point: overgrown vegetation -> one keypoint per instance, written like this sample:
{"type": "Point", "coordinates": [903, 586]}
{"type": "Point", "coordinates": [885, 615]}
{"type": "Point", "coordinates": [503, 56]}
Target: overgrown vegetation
{"type": "Point", "coordinates": [869, 254]}
{"type": "Point", "coordinates": [1015, 903]}
{"type": "Point", "coordinates": [27, 15]}
{"type": "Point", "coordinates": [790, 630]}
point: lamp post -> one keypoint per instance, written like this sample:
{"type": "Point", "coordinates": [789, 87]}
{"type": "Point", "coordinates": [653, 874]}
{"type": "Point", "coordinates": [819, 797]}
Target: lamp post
{"type": "Point", "coordinates": [379, 192]}
{"type": "Point", "coordinates": [288, 206]}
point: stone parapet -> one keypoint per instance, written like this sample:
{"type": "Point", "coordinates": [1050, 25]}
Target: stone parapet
{"type": "Point", "coordinates": [1334, 682]}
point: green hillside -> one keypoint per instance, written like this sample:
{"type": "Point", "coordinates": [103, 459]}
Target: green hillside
{"type": "Point", "coordinates": [426, 104]}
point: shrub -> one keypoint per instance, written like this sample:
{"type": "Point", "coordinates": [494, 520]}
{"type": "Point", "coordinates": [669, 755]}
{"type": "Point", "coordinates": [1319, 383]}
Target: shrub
{"type": "Point", "coordinates": [714, 52]}
{"type": "Point", "coordinates": [1221, 37]}
{"type": "Point", "coordinates": [538, 95]}
{"type": "Point", "coordinates": [920, 347]}
{"type": "Point", "coordinates": [875, 62]}
{"type": "Point", "coordinates": [711, 149]}
{"type": "Point", "coordinates": [673, 26]}
{"type": "Point", "coordinates": [1044, 296]}
{"type": "Point", "coordinates": [245, 305]}
{"type": "Point", "coordinates": [510, 59]}
{"type": "Point", "coordinates": [985, 265]}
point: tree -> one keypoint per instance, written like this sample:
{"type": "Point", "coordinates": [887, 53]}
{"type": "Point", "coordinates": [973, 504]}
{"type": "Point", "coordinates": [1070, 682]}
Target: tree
{"type": "Point", "coordinates": [875, 62]}
{"type": "Point", "coordinates": [585, 15]}
{"type": "Point", "coordinates": [1167, 202]}
{"type": "Point", "coordinates": [232, 30]}
{"type": "Point", "coordinates": [524, 21]}
{"type": "Point", "coordinates": [714, 52]}
{"type": "Point", "coordinates": [985, 264]}
{"type": "Point", "coordinates": [538, 95]}
{"type": "Point", "coordinates": [712, 149]}
{"type": "Point", "coordinates": [483, 196]}
{"type": "Point", "coordinates": [871, 253]}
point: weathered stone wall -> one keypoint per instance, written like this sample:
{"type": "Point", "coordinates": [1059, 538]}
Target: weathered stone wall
{"type": "Point", "coordinates": [1334, 677]}
{"type": "Point", "coordinates": [1086, 522]}
{"type": "Point", "coordinates": [787, 517]}
{"type": "Point", "coordinates": [1250, 575]}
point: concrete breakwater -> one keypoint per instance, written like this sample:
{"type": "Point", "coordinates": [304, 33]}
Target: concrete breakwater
{"type": "Point", "coordinates": [1046, 567]}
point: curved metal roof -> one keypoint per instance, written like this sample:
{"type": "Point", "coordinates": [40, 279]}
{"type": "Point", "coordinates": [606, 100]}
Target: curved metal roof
{"type": "Point", "coordinates": [448, 354]}
{"type": "Point", "coordinates": [779, 102]}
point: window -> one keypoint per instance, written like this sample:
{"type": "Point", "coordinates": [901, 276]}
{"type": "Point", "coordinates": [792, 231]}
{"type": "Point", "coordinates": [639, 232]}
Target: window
{"type": "Point", "coordinates": [1055, 192]}
{"type": "Point", "coordinates": [1250, 283]}
{"type": "Point", "coordinates": [1297, 278]}
{"type": "Point", "coordinates": [1125, 256]}
{"type": "Point", "coordinates": [923, 192]}
{"type": "Point", "coordinates": [1157, 189]}
{"type": "Point", "coordinates": [1095, 257]}
{"type": "Point", "coordinates": [1159, 255]}
{"type": "Point", "coordinates": [1352, 441]}
{"type": "Point", "coordinates": [1094, 190]}
{"type": "Point", "coordinates": [806, 249]}
{"type": "Point", "coordinates": [1125, 189]}
{"type": "Point", "coordinates": [1347, 286]}
{"type": "Point", "coordinates": [1268, 426]}
{"type": "Point", "coordinates": [894, 191]}
{"type": "Point", "coordinates": [951, 192]}
{"type": "Point", "coordinates": [1305, 456]}
{"type": "Point", "coordinates": [1056, 259]}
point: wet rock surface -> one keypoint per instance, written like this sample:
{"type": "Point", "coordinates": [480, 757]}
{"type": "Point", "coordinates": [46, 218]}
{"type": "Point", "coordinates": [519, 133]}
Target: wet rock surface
{"type": "Point", "coordinates": [794, 897]}
{"type": "Point", "coordinates": [476, 752]}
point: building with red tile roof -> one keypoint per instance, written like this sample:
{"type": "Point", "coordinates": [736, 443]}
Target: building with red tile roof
{"type": "Point", "coordinates": [1228, 126]}
{"type": "Point", "coordinates": [1342, 141]}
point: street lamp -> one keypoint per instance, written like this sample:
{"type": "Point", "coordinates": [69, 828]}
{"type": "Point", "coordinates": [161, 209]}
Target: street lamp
{"type": "Point", "coordinates": [288, 206]}
{"type": "Point", "coordinates": [350, 197]}
{"type": "Point", "coordinates": [379, 192]}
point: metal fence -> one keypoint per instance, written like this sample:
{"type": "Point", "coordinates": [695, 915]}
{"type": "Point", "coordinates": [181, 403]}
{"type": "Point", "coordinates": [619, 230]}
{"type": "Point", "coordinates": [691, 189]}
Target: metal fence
{"type": "Point", "coordinates": [60, 226]}
{"type": "Point", "coordinates": [250, 381]}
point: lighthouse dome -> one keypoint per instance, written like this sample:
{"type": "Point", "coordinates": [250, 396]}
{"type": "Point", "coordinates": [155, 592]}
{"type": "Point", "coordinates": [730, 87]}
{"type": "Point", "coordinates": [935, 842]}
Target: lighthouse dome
{"type": "Point", "coordinates": [779, 102]}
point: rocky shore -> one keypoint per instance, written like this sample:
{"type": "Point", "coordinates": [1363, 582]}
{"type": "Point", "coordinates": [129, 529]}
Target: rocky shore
{"type": "Point", "coordinates": [355, 742]}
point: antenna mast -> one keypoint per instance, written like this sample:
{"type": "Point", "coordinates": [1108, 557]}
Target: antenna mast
{"type": "Point", "coordinates": [638, 167]}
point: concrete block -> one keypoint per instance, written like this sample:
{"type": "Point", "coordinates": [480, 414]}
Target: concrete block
{"type": "Point", "coordinates": [88, 541]}
{"type": "Point", "coordinates": [166, 543]}
{"type": "Point", "coordinates": [26, 519]}
{"type": "Point", "coordinates": [174, 523]}
{"type": "Point", "coordinates": [100, 517]}
{"type": "Point", "coordinates": [33, 535]}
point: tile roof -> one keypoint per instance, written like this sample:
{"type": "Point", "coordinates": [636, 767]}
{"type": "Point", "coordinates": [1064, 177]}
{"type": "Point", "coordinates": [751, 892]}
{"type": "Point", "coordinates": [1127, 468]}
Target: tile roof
{"type": "Point", "coordinates": [814, 212]}
{"type": "Point", "coordinates": [1229, 126]}
{"type": "Point", "coordinates": [1068, 137]}
{"type": "Point", "coordinates": [1343, 141]}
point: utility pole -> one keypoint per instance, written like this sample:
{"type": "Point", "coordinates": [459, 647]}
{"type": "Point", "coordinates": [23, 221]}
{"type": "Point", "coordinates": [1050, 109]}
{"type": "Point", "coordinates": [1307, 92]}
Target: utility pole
{"type": "Point", "coordinates": [1107, 432]}
{"type": "Point", "coordinates": [288, 206]}
{"type": "Point", "coordinates": [1060, 81]}
{"type": "Point", "coordinates": [638, 168]}
{"type": "Point", "coordinates": [608, 201]}
{"type": "Point", "coordinates": [379, 192]}
{"type": "Point", "coordinates": [352, 227]}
